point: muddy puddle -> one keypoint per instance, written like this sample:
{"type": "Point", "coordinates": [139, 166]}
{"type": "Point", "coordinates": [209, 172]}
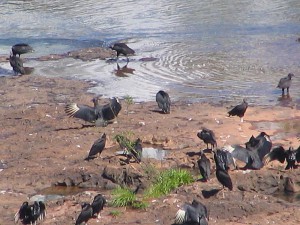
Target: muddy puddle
{"type": "Point", "coordinates": [284, 129]}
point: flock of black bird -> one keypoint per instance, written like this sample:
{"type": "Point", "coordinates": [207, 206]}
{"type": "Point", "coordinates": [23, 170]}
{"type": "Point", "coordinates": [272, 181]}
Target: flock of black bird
{"type": "Point", "coordinates": [256, 153]}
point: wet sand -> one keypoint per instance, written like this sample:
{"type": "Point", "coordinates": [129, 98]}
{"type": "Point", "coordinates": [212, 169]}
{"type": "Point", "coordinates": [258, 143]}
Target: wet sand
{"type": "Point", "coordinates": [40, 146]}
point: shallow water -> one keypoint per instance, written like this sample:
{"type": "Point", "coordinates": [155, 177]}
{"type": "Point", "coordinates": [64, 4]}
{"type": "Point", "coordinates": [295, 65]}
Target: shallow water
{"type": "Point", "coordinates": [206, 51]}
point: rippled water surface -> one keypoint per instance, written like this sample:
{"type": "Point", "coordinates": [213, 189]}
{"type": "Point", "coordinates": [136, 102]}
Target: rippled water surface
{"type": "Point", "coordinates": [205, 50]}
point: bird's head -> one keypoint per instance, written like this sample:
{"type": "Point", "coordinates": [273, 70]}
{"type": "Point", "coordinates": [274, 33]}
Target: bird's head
{"type": "Point", "coordinates": [290, 75]}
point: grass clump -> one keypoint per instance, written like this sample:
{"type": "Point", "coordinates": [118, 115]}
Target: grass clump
{"type": "Point", "coordinates": [125, 197]}
{"type": "Point", "coordinates": [167, 181]}
{"type": "Point", "coordinates": [128, 101]}
{"type": "Point", "coordinates": [115, 213]}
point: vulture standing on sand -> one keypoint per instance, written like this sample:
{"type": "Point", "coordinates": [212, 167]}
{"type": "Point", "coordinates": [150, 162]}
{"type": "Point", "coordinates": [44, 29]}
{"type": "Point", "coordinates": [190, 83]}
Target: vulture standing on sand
{"type": "Point", "coordinates": [285, 83]}
{"type": "Point", "coordinates": [239, 110]}
{"type": "Point", "coordinates": [204, 166]}
{"type": "Point", "coordinates": [163, 101]}
{"type": "Point", "coordinates": [97, 147]}
{"type": "Point", "coordinates": [17, 65]}
{"type": "Point", "coordinates": [222, 174]}
{"type": "Point", "coordinates": [122, 48]}
{"type": "Point", "coordinates": [208, 136]}
{"type": "Point", "coordinates": [98, 204]}
{"type": "Point", "coordinates": [279, 153]}
{"type": "Point", "coordinates": [195, 213]}
{"type": "Point", "coordinates": [30, 214]}
{"type": "Point", "coordinates": [85, 214]}
{"type": "Point", "coordinates": [99, 115]}
{"type": "Point", "coordinates": [223, 159]}
{"type": "Point", "coordinates": [21, 48]}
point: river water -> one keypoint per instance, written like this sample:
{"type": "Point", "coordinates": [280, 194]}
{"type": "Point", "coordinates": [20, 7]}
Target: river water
{"type": "Point", "coordinates": [210, 50]}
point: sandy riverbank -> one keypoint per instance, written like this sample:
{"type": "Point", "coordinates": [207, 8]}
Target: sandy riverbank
{"type": "Point", "coordinates": [40, 146]}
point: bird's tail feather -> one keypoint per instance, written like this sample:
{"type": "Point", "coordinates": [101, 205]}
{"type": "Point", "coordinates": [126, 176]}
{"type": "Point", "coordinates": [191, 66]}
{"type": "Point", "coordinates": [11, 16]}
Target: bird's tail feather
{"type": "Point", "coordinates": [180, 217]}
{"type": "Point", "coordinates": [71, 109]}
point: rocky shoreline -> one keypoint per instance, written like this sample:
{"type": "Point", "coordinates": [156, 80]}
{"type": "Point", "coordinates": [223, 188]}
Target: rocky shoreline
{"type": "Point", "coordinates": [42, 147]}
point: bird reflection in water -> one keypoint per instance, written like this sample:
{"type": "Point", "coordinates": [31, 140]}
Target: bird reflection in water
{"type": "Point", "coordinates": [123, 71]}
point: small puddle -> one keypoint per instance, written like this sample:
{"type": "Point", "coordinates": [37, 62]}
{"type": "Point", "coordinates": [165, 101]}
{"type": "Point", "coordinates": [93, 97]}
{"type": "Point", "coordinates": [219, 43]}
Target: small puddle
{"type": "Point", "coordinates": [289, 197]}
{"type": "Point", "coordinates": [57, 192]}
{"type": "Point", "coordinates": [283, 129]}
{"type": "Point", "coordinates": [149, 152]}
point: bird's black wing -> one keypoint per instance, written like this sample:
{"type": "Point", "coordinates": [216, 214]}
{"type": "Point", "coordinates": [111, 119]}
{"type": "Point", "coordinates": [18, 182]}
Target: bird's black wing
{"type": "Point", "coordinates": [224, 178]}
{"type": "Point", "coordinates": [298, 154]}
{"type": "Point", "coordinates": [85, 214]}
{"type": "Point", "coordinates": [21, 48]}
{"type": "Point", "coordinates": [98, 203]}
{"type": "Point", "coordinates": [163, 101]}
{"type": "Point", "coordinates": [43, 211]}
{"type": "Point", "coordinates": [277, 153]}
{"type": "Point", "coordinates": [111, 110]}
{"type": "Point", "coordinates": [83, 112]}
{"type": "Point", "coordinates": [204, 167]}
{"type": "Point", "coordinates": [240, 153]}
{"type": "Point", "coordinates": [97, 147]}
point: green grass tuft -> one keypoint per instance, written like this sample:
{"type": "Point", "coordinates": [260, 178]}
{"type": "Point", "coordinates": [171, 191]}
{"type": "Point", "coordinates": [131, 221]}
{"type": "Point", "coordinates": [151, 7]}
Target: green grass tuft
{"type": "Point", "coordinates": [115, 213]}
{"type": "Point", "coordinates": [167, 181]}
{"type": "Point", "coordinates": [123, 197]}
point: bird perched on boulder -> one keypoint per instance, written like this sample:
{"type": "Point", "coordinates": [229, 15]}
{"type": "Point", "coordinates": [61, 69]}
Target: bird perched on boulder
{"type": "Point", "coordinates": [85, 214]}
{"type": "Point", "coordinates": [285, 83]}
{"type": "Point", "coordinates": [122, 48]}
{"type": "Point", "coordinates": [99, 115]}
{"type": "Point", "coordinates": [21, 48]}
{"type": "Point", "coordinates": [204, 166]}
{"type": "Point", "coordinates": [208, 136]}
{"type": "Point", "coordinates": [163, 101]}
{"type": "Point", "coordinates": [17, 64]}
{"type": "Point", "coordinates": [30, 214]}
{"type": "Point", "coordinates": [97, 147]}
{"type": "Point", "coordinates": [279, 153]}
{"type": "Point", "coordinates": [239, 110]}
{"type": "Point", "coordinates": [195, 213]}
{"type": "Point", "coordinates": [98, 204]}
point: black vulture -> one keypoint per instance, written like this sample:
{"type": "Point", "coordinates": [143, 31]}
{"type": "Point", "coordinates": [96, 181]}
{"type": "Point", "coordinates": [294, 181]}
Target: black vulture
{"type": "Point", "coordinates": [99, 115]}
{"type": "Point", "coordinates": [84, 112]}
{"type": "Point", "coordinates": [163, 101]}
{"type": "Point", "coordinates": [253, 155]}
{"type": "Point", "coordinates": [30, 214]}
{"type": "Point", "coordinates": [208, 136]}
{"type": "Point", "coordinates": [122, 48]}
{"type": "Point", "coordinates": [98, 204]}
{"type": "Point", "coordinates": [204, 166]}
{"type": "Point", "coordinates": [97, 147]}
{"type": "Point", "coordinates": [138, 150]}
{"type": "Point", "coordinates": [21, 48]}
{"type": "Point", "coordinates": [262, 144]}
{"type": "Point", "coordinates": [279, 153]}
{"type": "Point", "coordinates": [192, 213]}
{"type": "Point", "coordinates": [223, 159]}
{"type": "Point", "coordinates": [285, 83]}
{"type": "Point", "coordinates": [85, 214]}
{"type": "Point", "coordinates": [224, 178]}
{"type": "Point", "coordinates": [111, 110]}
{"type": "Point", "coordinates": [239, 110]}
{"type": "Point", "coordinates": [17, 65]}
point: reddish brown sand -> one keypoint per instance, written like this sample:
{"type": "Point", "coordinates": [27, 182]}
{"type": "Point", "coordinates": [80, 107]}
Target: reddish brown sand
{"type": "Point", "coordinates": [40, 145]}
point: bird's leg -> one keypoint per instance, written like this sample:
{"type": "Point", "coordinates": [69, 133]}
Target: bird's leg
{"type": "Point", "coordinates": [282, 91]}
{"type": "Point", "coordinates": [288, 90]}
{"type": "Point", "coordinates": [98, 216]}
{"type": "Point", "coordinates": [242, 119]}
